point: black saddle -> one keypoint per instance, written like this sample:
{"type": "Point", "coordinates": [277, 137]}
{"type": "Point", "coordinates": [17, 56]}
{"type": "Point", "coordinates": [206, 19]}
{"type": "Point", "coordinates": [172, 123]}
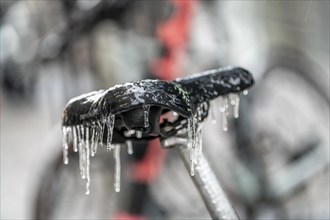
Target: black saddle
{"type": "Point", "coordinates": [141, 109]}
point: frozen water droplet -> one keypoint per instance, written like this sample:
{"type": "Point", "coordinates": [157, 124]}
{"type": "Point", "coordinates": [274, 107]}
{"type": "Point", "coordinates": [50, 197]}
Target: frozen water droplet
{"type": "Point", "coordinates": [129, 147]}
{"type": "Point", "coordinates": [245, 92]}
{"type": "Point", "coordinates": [146, 109]}
{"type": "Point", "coordinates": [65, 131]}
{"type": "Point", "coordinates": [116, 154]}
{"type": "Point", "coordinates": [110, 125]}
{"type": "Point", "coordinates": [75, 139]}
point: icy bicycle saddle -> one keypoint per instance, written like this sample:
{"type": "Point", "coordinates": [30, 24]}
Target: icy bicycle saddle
{"type": "Point", "coordinates": [144, 110]}
{"type": "Point", "coordinates": [137, 110]}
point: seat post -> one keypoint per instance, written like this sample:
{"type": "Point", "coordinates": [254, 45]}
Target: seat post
{"type": "Point", "coordinates": [205, 180]}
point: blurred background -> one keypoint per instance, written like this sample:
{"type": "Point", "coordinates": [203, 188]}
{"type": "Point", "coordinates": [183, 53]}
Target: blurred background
{"type": "Point", "coordinates": [274, 160]}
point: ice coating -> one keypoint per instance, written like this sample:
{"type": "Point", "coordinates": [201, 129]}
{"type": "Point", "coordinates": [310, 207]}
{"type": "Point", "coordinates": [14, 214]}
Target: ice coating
{"type": "Point", "coordinates": [182, 96]}
{"type": "Point", "coordinates": [194, 138]}
{"type": "Point", "coordinates": [90, 119]}
{"type": "Point", "coordinates": [122, 98]}
{"type": "Point", "coordinates": [146, 109]}
{"type": "Point", "coordinates": [209, 85]}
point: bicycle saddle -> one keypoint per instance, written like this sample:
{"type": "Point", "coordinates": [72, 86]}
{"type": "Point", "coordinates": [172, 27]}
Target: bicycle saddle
{"type": "Point", "coordinates": [136, 110]}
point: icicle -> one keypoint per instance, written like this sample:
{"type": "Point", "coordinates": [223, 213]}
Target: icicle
{"type": "Point", "coordinates": [193, 158]}
{"type": "Point", "coordinates": [83, 152]}
{"type": "Point", "coordinates": [213, 113]}
{"type": "Point", "coordinates": [224, 110]}
{"type": "Point", "coordinates": [221, 104]}
{"type": "Point", "coordinates": [81, 159]}
{"type": "Point", "coordinates": [78, 136]}
{"type": "Point", "coordinates": [190, 128]}
{"type": "Point", "coordinates": [80, 150]}
{"type": "Point", "coordinates": [98, 128]}
{"type": "Point", "coordinates": [199, 146]}
{"type": "Point", "coordinates": [102, 128]}
{"type": "Point", "coordinates": [75, 139]}
{"type": "Point", "coordinates": [116, 154]}
{"type": "Point", "coordinates": [196, 141]}
{"type": "Point", "coordinates": [110, 125]}
{"type": "Point", "coordinates": [195, 126]}
{"type": "Point", "coordinates": [87, 164]}
{"type": "Point", "coordinates": [93, 142]}
{"type": "Point", "coordinates": [87, 137]}
{"type": "Point", "coordinates": [65, 145]}
{"type": "Point", "coordinates": [192, 168]}
{"type": "Point", "coordinates": [245, 92]}
{"type": "Point", "coordinates": [82, 132]}
{"type": "Point", "coordinates": [146, 109]}
{"type": "Point", "coordinates": [236, 107]}
{"type": "Point", "coordinates": [129, 147]}
{"type": "Point", "coordinates": [190, 132]}
{"type": "Point", "coordinates": [232, 99]}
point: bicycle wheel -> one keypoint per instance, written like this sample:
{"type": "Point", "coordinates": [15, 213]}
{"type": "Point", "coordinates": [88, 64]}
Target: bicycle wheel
{"type": "Point", "coordinates": [283, 139]}
{"type": "Point", "coordinates": [61, 193]}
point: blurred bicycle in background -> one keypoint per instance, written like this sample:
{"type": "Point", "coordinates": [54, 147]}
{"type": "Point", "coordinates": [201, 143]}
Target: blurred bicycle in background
{"type": "Point", "coordinates": [276, 154]}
